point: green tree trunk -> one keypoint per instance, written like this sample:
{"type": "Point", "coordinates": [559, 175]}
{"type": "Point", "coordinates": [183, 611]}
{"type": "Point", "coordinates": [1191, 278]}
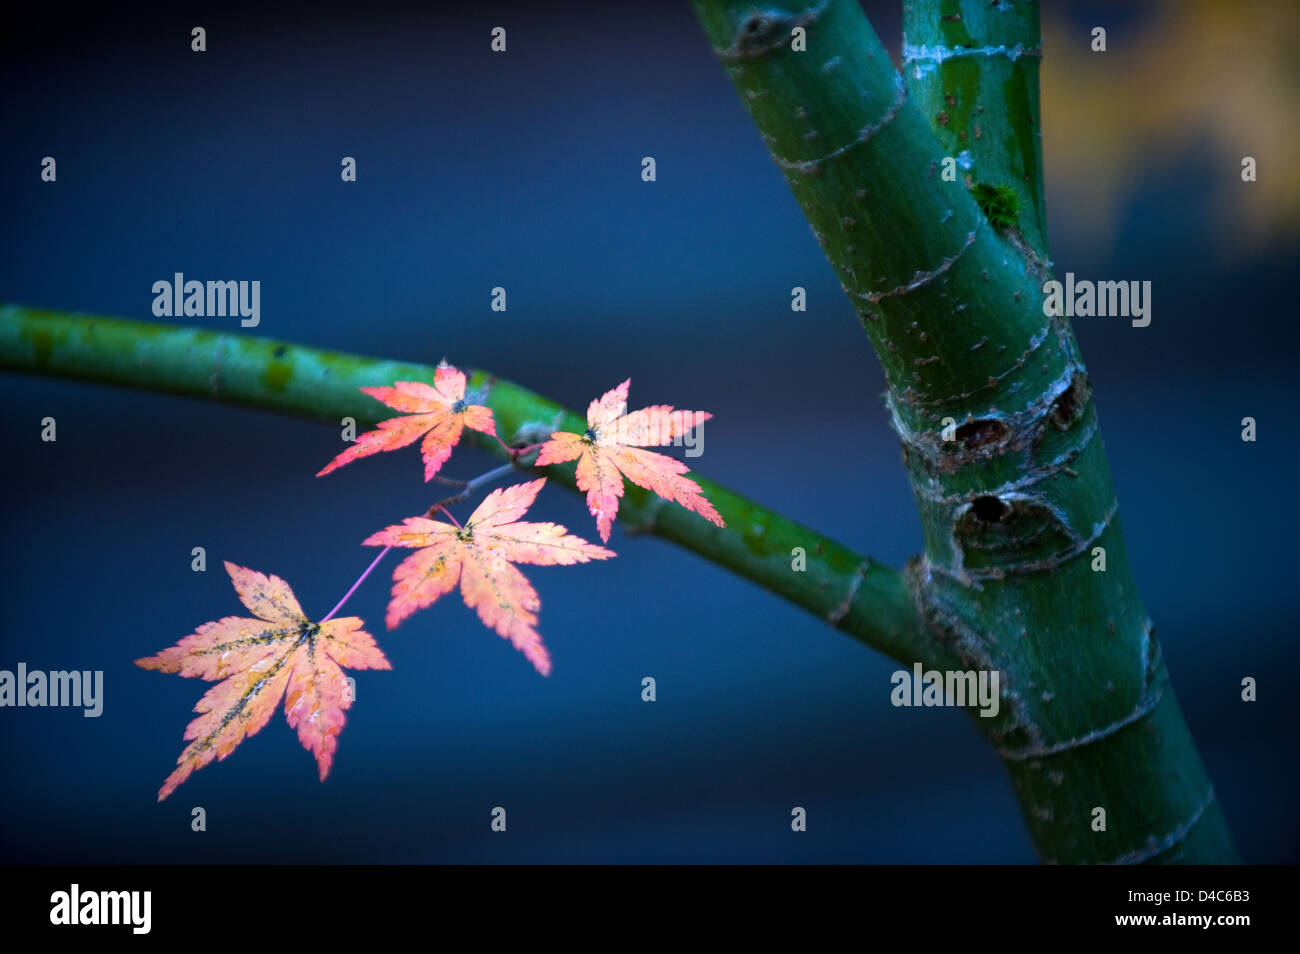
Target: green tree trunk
{"type": "Point", "coordinates": [989, 398]}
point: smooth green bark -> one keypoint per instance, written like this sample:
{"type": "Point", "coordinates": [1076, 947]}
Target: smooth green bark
{"type": "Point", "coordinates": [992, 404]}
{"type": "Point", "coordinates": [971, 67]}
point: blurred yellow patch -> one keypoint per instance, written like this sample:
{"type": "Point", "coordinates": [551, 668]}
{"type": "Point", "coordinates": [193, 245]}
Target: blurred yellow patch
{"type": "Point", "coordinates": [1177, 75]}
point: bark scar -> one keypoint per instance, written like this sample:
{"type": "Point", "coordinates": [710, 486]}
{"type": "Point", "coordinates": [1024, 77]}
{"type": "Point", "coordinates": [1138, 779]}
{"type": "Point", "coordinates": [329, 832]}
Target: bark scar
{"type": "Point", "coordinates": [1144, 707]}
{"type": "Point", "coordinates": [763, 31]}
{"type": "Point", "coordinates": [922, 278]}
{"type": "Point", "coordinates": [215, 378]}
{"type": "Point", "coordinates": [839, 612]}
{"type": "Point", "coordinates": [1158, 846]}
{"type": "Point", "coordinates": [810, 166]}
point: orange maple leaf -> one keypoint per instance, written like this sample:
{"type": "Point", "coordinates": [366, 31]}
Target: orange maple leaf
{"type": "Point", "coordinates": [437, 412]}
{"type": "Point", "coordinates": [280, 653]}
{"type": "Point", "coordinates": [610, 451]}
{"type": "Point", "coordinates": [480, 556]}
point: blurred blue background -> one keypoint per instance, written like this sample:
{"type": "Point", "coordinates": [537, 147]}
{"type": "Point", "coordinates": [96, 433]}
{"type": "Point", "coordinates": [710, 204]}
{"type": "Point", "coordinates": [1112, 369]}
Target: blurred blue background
{"type": "Point", "coordinates": [523, 170]}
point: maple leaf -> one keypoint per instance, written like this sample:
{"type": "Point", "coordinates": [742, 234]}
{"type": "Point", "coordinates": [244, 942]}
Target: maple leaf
{"type": "Point", "coordinates": [480, 556]}
{"type": "Point", "coordinates": [437, 412]}
{"type": "Point", "coordinates": [610, 451]}
{"type": "Point", "coordinates": [280, 653]}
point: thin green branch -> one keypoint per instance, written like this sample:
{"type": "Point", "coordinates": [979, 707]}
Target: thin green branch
{"type": "Point", "coordinates": [865, 599]}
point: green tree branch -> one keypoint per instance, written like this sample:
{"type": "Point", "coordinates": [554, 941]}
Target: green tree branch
{"type": "Point", "coordinates": [853, 593]}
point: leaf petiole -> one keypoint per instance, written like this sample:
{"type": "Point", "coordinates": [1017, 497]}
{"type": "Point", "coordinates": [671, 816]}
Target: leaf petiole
{"type": "Point", "coordinates": [471, 485]}
{"type": "Point", "coordinates": [361, 579]}
{"type": "Point", "coordinates": [436, 507]}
